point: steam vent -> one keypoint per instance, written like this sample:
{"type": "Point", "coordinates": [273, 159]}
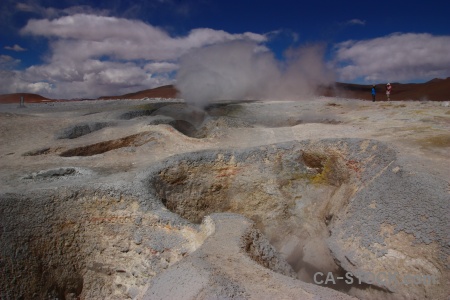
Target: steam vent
{"type": "Point", "coordinates": [154, 199]}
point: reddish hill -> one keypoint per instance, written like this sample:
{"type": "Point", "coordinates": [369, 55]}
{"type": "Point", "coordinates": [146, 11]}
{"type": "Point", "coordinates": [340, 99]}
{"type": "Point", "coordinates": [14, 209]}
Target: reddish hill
{"type": "Point", "coordinates": [436, 90]}
{"type": "Point", "coordinates": [28, 98]}
{"type": "Point", "coordinates": [166, 91]}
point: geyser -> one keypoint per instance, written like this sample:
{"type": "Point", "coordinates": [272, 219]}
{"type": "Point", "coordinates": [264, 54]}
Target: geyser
{"type": "Point", "coordinates": [244, 70]}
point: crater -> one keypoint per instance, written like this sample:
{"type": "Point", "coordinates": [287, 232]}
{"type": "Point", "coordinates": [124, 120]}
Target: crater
{"type": "Point", "coordinates": [40, 151]}
{"type": "Point", "coordinates": [79, 130]}
{"type": "Point", "coordinates": [215, 118]}
{"type": "Point", "coordinates": [227, 186]}
{"type": "Point", "coordinates": [142, 110]}
{"type": "Point", "coordinates": [235, 110]}
{"type": "Point", "coordinates": [184, 127]}
{"type": "Point", "coordinates": [135, 140]}
{"type": "Point", "coordinates": [321, 204]}
{"type": "Point", "coordinates": [82, 244]}
{"type": "Point", "coordinates": [294, 193]}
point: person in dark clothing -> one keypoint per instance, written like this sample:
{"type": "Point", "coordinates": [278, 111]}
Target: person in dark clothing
{"type": "Point", "coordinates": [374, 92]}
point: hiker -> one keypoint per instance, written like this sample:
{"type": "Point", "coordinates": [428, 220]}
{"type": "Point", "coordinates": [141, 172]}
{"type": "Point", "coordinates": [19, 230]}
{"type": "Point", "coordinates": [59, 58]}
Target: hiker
{"type": "Point", "coordinates": [388, 91]}
{"type": "Point", "coordinates": [373, 93]}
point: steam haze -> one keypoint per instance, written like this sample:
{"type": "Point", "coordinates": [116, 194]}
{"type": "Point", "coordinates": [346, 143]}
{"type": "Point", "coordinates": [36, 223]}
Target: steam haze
{"type": "Point", "coordinates": [245, 70]}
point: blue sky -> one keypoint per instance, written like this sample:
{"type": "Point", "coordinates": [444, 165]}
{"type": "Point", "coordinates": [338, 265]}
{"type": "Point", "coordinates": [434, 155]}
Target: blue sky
{"type": "Point", "coordinates": [76, 49]}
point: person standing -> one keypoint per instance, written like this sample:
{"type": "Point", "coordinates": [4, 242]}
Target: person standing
{"type": "Point", "coordinates": [388, 91]}
{"type": "Point", "coordinates": [374, 92]}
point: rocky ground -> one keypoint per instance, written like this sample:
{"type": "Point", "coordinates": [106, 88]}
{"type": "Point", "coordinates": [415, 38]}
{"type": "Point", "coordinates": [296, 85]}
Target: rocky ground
{"type": "Point", "coordinates": [153, 199]}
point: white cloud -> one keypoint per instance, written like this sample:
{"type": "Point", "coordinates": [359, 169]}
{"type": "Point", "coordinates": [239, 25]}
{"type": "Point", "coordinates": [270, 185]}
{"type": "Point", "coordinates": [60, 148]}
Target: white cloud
{"type": "Point", "coordinates": [93, 78]}
{"type": "Point", "coordinates": [8, 62]}
{"type": "Point", "coordinates": [397, 57]}
{"type": "Point", "coordinates": [39, 87]}
{"type": "Point", "coordinates": [93, 55]}
{"type": "Point", "coordinates": [83, 36]}
{"type": "Point", "coordinates": [13, 82]}
{"type": "Point", "coordinates": [24, 7]}
{"type": "Point", "coordinates": [16, 48]}
{"type": "Point", "coordinates": [51, 12]}
{"type": "Point", "coordinates": [356, 22]}
{"type": "Point", "coordinates": [159, 67]}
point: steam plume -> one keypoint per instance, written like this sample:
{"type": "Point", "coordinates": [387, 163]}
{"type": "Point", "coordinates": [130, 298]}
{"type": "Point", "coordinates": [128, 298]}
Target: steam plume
{"type": "Point", "coordinates": [245, 70]}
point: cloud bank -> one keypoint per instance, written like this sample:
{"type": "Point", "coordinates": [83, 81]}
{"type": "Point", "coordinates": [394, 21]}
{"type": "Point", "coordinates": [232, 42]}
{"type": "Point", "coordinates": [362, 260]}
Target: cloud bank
{"type": "Point", "coordinates": [397, 57]}
{"type": "Point", "coordinates": [92, 55]}
{"type": "Point", "coordinates": [85, 36]}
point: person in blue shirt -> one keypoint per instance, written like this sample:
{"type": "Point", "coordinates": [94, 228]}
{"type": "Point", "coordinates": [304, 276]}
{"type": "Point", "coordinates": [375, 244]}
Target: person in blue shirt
{"type": "Point", "coordinates": [373, 93]}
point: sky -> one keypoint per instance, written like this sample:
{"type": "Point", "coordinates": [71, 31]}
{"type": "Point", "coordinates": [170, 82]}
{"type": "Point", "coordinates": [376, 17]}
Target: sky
{"type": "Point", "coordinates": [85, 49]}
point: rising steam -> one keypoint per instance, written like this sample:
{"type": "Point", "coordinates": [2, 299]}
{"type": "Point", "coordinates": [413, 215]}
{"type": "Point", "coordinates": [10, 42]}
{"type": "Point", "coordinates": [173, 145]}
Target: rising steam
{"type": "Point", "coordinates": [245, 70]}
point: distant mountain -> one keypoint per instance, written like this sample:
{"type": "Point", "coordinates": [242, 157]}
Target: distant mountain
{"type": "Point", "coordinates": [166, 91]}
{"type": "Point", "coordinates": [435, 90]}
{"type": "Point", "coordinates": [28, 98]}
